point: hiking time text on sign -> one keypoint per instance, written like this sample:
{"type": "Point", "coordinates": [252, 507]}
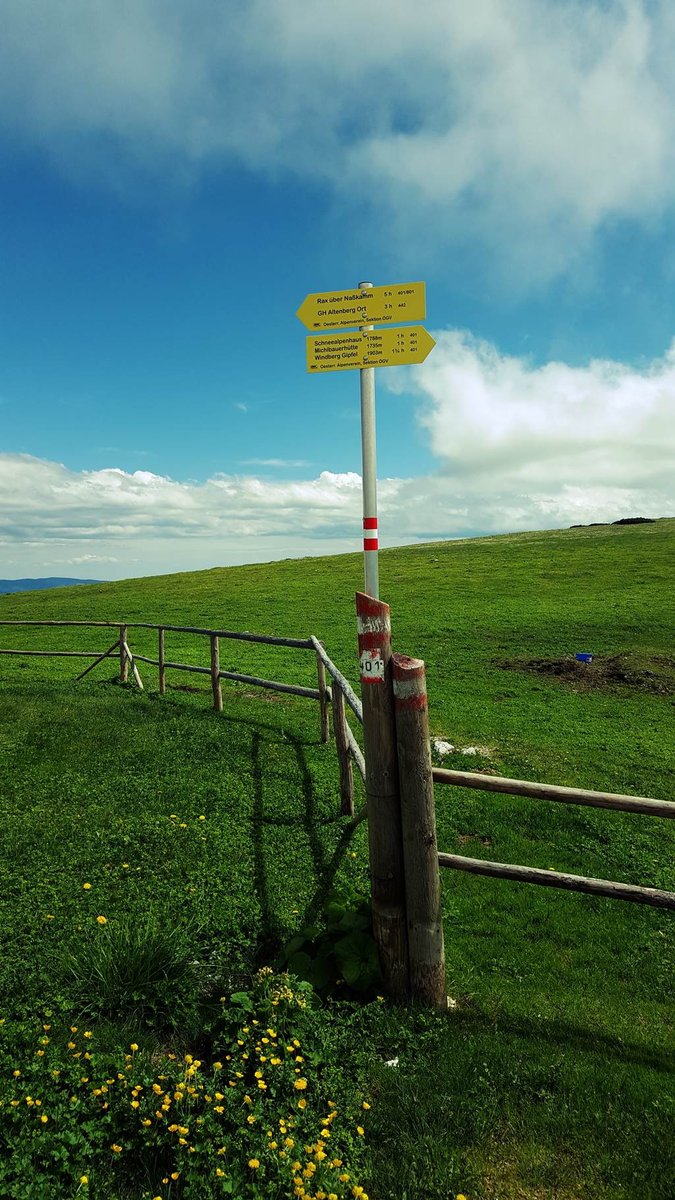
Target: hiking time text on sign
{"type": "Point", "coordinates": [368, 306]}
{"type": "Point", "coordinates": [376, 348]}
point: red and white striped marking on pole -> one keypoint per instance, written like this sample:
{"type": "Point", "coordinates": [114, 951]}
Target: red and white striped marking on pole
{"type": "Point", "coordinates": [373, 624]}
{"type": "Point", "coordinates": [410, 685]}
{"type": "Point", "coordinates": [370, 539]}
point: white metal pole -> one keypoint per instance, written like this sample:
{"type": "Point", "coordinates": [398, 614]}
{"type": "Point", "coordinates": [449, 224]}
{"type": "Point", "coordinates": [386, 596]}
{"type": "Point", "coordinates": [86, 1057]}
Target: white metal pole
{"type": "Point", "coordinates": [369, 474]}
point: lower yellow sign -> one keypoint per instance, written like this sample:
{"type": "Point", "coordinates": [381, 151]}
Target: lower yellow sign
{"type": "Point", "coordinates": [372, 348]}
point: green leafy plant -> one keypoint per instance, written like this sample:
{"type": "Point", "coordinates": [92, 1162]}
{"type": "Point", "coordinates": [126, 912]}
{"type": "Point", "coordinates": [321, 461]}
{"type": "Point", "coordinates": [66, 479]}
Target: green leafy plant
{"type": "Point", "coordinates": [268, 1112]}
{"type": "Point", "coordinates": [339, 958]}
{"type": "Point", "coordinates": [135, 970]}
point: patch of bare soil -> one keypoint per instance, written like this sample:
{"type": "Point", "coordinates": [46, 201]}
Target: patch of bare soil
{"type": "Point", "coordinates": [654, 674]}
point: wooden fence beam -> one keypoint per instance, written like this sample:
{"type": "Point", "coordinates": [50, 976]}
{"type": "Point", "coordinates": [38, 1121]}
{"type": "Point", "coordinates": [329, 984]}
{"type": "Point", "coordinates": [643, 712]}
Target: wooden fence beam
{"type": "Point", "coordinates": [124, 661]}
{"type": "Point", "coordinates": [344, 684]}
{"type": "Point", "coordinates": [344, 754]}
{"type": "Point", "coordinates": [384, 815]}
{"type": "Point", "coordinates": [161, 663]}
{"type": "Point", "coordinates": [323, 699]}
{"type": "Point", "coordinates": [215, 674]}
{"type": "Point", "coordinates": [91, 666]}
{"type": "Point", "coordinates": [426, 950]}
{"type": "Point", "coordinates": [559, 879]}
{"type": "Point", "coordinates": [134, 668]}
{"type": "Point", "coordinates": [551, 791]}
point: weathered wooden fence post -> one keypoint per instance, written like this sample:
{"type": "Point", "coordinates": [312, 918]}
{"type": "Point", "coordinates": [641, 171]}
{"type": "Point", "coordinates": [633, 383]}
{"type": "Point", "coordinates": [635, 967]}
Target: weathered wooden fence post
{"type": "Point", "coordinates": [215, 673]}
{"type": "Point", "coordinates": [323, 700]}
{"type": "Point", "coordinates": [343, 753]}
{"type": "Point", "coordinates": [160, 658]}
{"type": "Point", "coordinates": [124, 661]}
{"type": "Point", "coordinates": [418, 819]}
{"type": "Point", "coordinates": [384, 815]}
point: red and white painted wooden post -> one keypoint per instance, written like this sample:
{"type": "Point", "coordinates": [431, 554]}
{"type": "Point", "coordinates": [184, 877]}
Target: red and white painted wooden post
{"type": "Point", "coordinates": [418, 822]}
{"type": "Point", "coordinates": [382, 793]}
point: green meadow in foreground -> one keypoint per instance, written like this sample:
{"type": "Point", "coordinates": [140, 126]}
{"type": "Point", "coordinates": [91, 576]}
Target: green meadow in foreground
{"type": "Point", "coordinates": [156, 856]}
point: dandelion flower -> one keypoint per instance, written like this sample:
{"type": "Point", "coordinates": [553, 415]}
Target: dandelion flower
{"type": "Point", "coordinates": [300, 1085]}
{"type": "Point", "coordinates": [102, 920]}
{"type": "Point", "coordinates": [133, 1046]}
{"type": "Point", "coordinates": [84, 1179]}
{"type": "Point", "coordinates": [253, 1163]}
{"type": "Point", "coordinates": [302, 1103]}
{"type": "Point", "coordinates": [115, 1148]}
{"type": "Point", "coordinates": [86, 887]}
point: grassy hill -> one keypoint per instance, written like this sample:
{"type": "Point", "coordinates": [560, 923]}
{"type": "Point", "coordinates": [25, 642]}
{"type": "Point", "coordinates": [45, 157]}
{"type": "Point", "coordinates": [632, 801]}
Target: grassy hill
{"type": "Point", "coordinates": [552, 1076]}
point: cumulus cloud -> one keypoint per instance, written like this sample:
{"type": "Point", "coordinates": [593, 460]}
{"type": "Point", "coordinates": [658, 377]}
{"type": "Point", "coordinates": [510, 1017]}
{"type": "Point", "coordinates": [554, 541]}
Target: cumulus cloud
{"type": "Point", "coordinates": [518, 447]}
{"type": "Point", "coordinates": [499, 422]}
{"type": "Point", "coordinates": [527, 125]}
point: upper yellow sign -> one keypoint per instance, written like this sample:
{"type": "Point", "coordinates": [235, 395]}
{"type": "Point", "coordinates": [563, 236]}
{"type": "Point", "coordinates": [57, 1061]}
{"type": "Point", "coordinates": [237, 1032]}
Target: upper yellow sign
{"type": "Point", "coordinates": [378, 348]}
{"type": "Point", "coordinates": [364, 306]}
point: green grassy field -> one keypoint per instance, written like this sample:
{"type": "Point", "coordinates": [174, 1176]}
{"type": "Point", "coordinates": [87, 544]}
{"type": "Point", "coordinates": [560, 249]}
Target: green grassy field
{"type": "Point", "coordinates": [553, 1076]}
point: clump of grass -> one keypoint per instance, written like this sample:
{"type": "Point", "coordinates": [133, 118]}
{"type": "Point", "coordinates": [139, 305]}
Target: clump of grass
{"type": "Point", "coordinates": [138, 970]}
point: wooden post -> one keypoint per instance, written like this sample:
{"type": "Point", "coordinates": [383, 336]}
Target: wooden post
{"type": "Point", "coordinates": [124, 661]}
{"type": "Point", "coordinates": [384, 816]}
{"type": "Point", "coordinates": [418, 819]}
{"type": "Point", "coordinates": [344, 753]}
{"type": "Point", "coordinates": [215, 673]}
{"type": "Point", "coordinates": [323, 700]}
{"type": "Point", "coordinates": [162, 668]}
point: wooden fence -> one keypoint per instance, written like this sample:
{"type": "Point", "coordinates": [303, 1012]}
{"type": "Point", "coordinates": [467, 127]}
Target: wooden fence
{"type": "Point", "coordinates": [405, 860]}
{"type": "Point", "coordinates": [336, 694]}
{"type": "Point", "coordinates": [399, 781]}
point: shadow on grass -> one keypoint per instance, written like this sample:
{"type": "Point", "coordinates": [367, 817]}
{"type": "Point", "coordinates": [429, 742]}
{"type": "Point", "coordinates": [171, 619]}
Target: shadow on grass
{"type": "Point", "coordinates": [567, 1036]}
{"type": "Point", "coordinates": [325, 866]}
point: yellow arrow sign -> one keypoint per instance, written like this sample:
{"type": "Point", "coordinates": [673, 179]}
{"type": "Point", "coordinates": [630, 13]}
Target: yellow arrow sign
{"type": "Point", "coordinates": [379, 348]}
{"type": "Point", "coordinates": [364, 306]}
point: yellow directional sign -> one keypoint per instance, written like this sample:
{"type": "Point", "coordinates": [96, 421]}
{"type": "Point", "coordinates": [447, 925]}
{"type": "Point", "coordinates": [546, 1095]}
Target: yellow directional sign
{"type": "Point", "coordinates": [364, 306]}
{"type": "Point", "coordinates": [378, 348]}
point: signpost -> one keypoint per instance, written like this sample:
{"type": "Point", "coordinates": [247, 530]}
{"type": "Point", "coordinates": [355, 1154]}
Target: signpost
{"type": "Point", "coordinates": [364, 306]}
{"type": "Point", "coordinates": [376, 348]}
{"type": "Point", "coordinates": [364, 349]}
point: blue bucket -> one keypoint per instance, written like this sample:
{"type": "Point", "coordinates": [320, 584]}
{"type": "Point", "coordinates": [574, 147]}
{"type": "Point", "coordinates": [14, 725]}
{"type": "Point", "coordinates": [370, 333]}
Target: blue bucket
{"type": "Point", "coordinates": [584, 656]}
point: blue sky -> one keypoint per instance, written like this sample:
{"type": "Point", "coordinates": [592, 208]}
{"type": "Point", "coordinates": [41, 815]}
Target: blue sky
{"type": "Point", "coordinates": [176, 177]}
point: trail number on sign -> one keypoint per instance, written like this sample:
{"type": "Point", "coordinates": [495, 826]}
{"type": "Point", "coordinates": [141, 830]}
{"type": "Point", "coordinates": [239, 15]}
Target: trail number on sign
{"type": "Point", "coordinates": [372, 666]}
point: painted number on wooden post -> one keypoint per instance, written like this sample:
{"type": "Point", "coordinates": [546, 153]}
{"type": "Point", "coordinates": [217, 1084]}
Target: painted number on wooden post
{"type": "Point", "coordinates": [372, 666]}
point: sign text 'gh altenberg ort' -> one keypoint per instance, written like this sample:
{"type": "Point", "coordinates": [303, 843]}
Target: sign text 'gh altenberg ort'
{"type": "Point", "coordinates": [389, 304]}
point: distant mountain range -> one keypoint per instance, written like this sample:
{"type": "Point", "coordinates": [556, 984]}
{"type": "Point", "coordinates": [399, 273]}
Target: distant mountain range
{"type": "Point", "coordinates": [37, 585]}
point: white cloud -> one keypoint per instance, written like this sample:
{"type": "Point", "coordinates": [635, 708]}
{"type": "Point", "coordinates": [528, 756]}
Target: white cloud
{"type": "Point", "coordinates": [527, 125]}
{"type": "Point", "coordinates": [496, 421]}
{"type": "Point", "coordinates": [518, 446]}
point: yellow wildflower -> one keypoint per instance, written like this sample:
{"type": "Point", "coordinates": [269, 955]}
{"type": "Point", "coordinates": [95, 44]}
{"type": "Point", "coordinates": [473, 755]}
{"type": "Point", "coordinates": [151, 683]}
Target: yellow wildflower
{"type": "Point", "coordinates": [102, 920]}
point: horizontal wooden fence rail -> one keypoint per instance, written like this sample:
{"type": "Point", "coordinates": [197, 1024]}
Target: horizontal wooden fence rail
{"type": "Point", "coordinates": [645, 805]}
{"type": "Point", "coordinates": [559, 879]}
{"type": "Point", "coordinates": [292, 688]}
{"type": "Point", "coordinates": [264, 638]}
{"type": "Point", "coordinates": [548, 791]}
{"type": "Point", "coordinates": [58, 653]}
